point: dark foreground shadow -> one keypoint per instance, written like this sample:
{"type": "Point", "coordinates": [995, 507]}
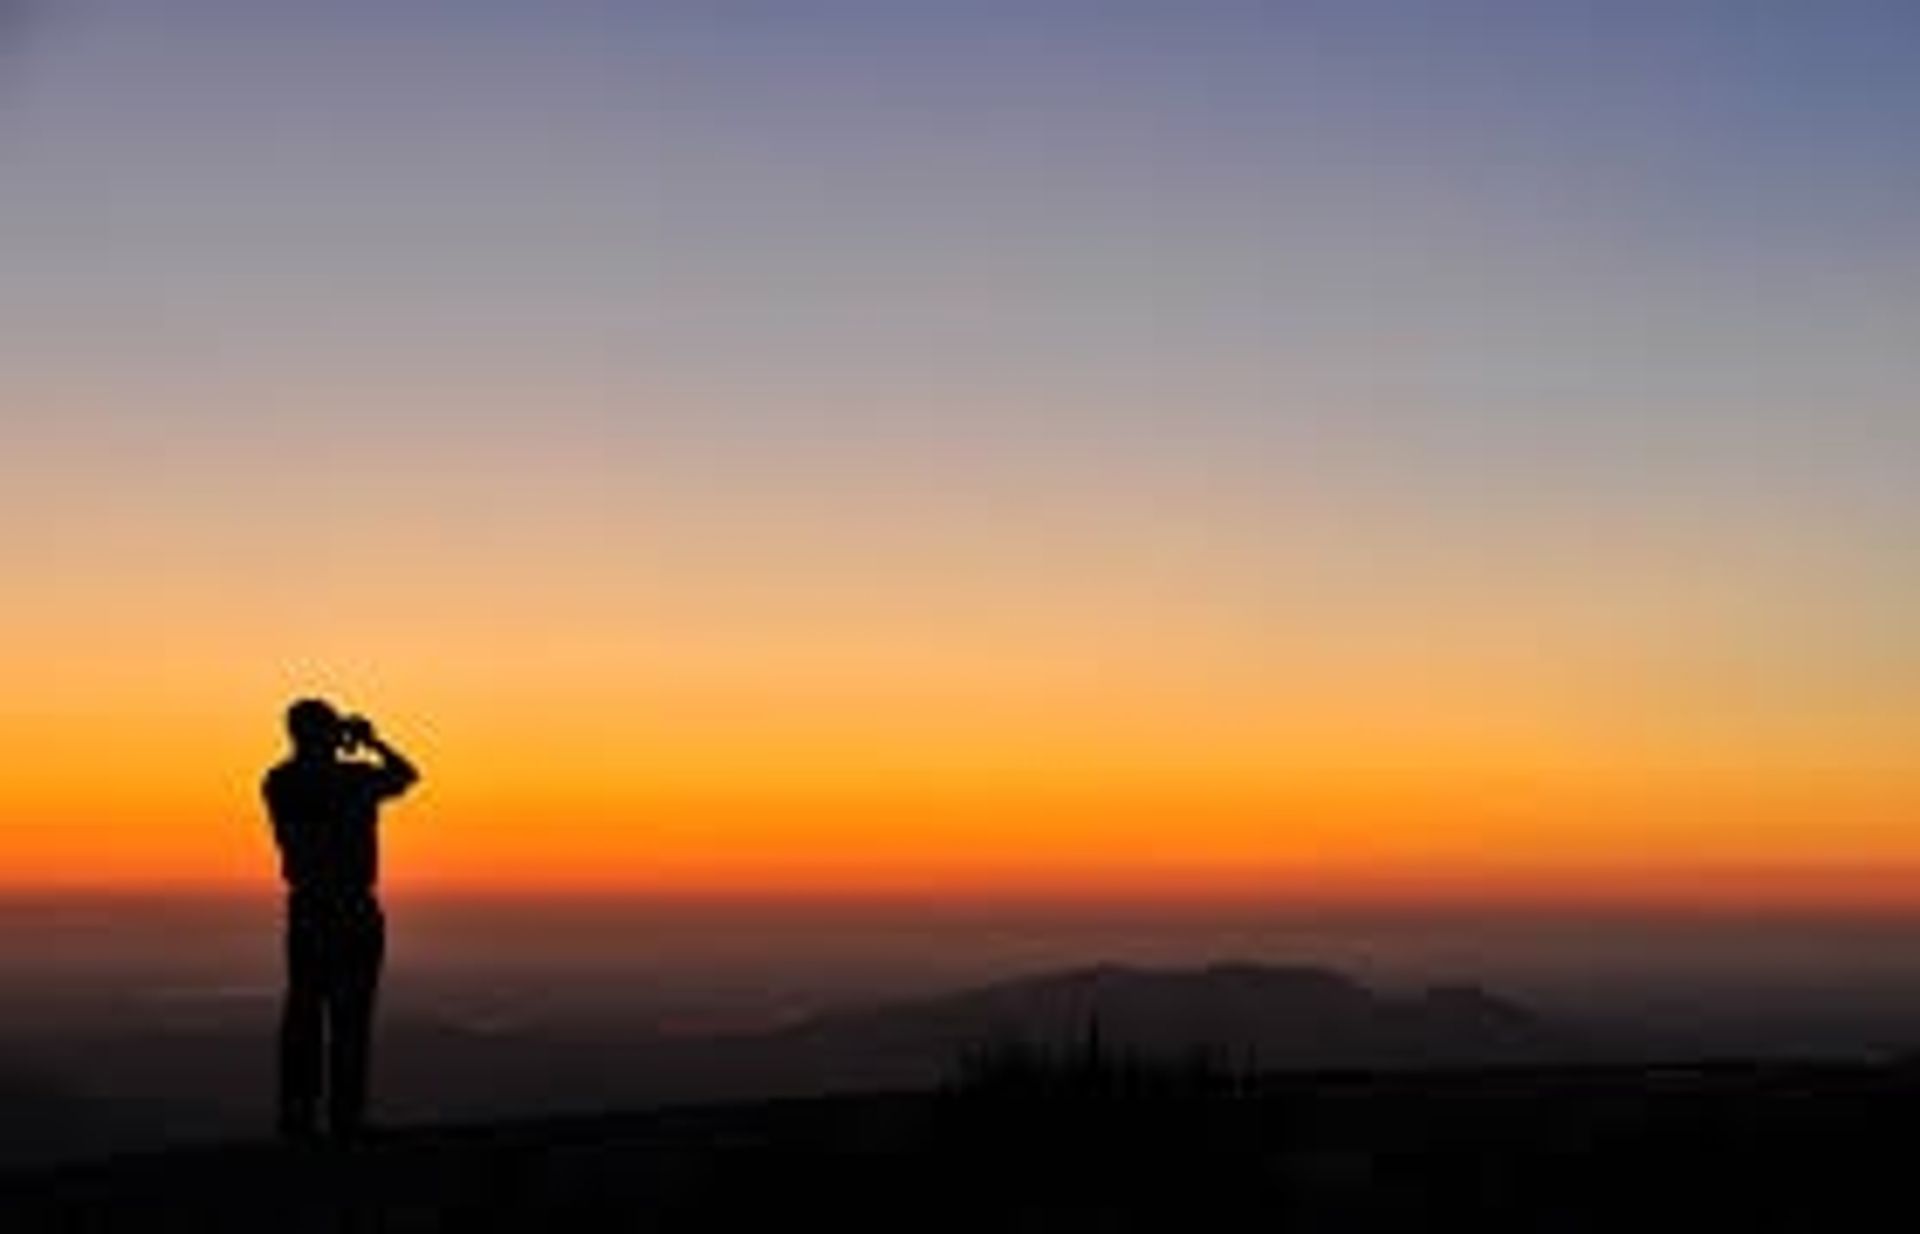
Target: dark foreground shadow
{"type": "Point", "coordinates": [1073, 1146]}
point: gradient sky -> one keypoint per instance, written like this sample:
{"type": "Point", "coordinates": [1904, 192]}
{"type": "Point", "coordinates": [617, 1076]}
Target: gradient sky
{"type": "Point", "coordinates": [1208, 448]}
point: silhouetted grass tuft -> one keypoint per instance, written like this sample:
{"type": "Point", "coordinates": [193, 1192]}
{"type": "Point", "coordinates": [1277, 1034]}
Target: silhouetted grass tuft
{"type": "Point", "coordinates": [1077, 1125]}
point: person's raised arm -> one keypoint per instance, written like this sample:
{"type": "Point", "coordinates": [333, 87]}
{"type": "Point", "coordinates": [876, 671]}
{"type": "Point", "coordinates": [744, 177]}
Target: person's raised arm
{"type": "Point", "coordinates": [396, 772]}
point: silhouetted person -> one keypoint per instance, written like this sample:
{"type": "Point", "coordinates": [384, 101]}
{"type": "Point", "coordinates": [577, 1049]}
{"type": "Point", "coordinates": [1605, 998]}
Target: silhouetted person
{"type": "Point", "coordinates": [325, 804]}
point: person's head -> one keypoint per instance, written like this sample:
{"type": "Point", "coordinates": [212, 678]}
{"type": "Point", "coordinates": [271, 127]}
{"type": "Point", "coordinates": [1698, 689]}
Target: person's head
{"type": "Point", "coordinates": [314, 726]}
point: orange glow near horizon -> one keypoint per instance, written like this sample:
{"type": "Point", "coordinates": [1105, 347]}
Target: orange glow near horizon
{"type": "Point", "coordinates": [794, 782]}
{"type": "Point", "coordinates": [1127, 734]}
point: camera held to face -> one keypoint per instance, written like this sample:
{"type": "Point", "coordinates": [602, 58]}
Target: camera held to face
{"type": "Point", "coordinates": [355, 732]}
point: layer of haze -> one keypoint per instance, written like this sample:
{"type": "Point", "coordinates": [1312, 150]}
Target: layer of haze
{"type": "Point", "coordinates": [1196, 452]}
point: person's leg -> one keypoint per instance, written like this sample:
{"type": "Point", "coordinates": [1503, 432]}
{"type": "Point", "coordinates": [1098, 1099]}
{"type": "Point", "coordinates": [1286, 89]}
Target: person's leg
{"type": "Point", "coordinates": [301, 1018]}
{"type": "Point", "coordinates": [363, 945]}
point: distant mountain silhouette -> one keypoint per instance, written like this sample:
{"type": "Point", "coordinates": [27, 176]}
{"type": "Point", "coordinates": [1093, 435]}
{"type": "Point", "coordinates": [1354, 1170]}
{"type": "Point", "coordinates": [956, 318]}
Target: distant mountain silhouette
{"type": "Point", "coordinates": [1246, 1014]}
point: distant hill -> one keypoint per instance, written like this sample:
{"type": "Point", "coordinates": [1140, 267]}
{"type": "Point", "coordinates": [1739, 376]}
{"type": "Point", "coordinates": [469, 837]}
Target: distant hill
{"type": "Point", "coordinates": [1260, 1016]}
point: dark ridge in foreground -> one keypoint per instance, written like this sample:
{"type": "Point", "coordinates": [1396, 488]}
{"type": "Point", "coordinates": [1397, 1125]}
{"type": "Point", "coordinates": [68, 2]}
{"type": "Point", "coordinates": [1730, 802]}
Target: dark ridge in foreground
{"type": "Point", "coordinates": [1713, 1146]}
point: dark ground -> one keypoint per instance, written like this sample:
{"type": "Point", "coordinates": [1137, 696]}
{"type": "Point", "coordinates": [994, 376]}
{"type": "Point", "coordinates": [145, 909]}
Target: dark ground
{"type": "Point", "coordinates": [1711, 1147]}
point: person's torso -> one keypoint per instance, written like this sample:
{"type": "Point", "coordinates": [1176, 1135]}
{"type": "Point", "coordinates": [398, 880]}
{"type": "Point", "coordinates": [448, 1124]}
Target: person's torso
{"type": "Point", "coordinates": [325, 820]}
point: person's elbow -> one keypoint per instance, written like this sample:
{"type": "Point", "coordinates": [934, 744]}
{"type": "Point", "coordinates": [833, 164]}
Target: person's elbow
{"type": "Point", "coordinates": [400, 779]}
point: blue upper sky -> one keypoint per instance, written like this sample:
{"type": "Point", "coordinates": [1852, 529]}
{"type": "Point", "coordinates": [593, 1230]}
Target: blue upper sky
{"type": "Point", "coordinates": [1433, 262]}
